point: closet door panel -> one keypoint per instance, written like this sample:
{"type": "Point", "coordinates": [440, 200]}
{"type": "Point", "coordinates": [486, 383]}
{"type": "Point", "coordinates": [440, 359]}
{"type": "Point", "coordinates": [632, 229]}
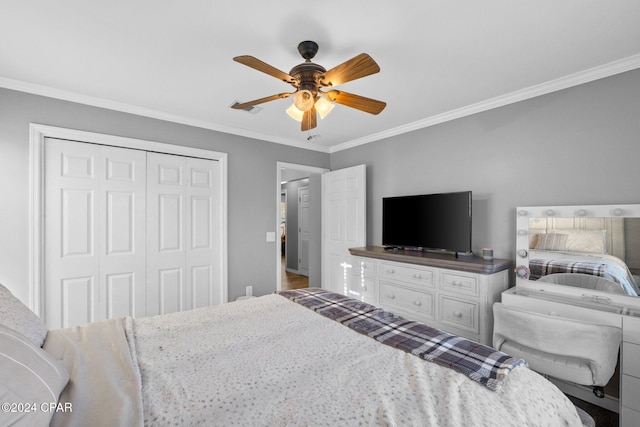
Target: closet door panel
{"type": "Point", "coordinates": [171, 290]}
{"type": "Point", "coordinates": [166, 227]}
{"type": "Point", "coordinates": [121, 295]}
{"type": "Point", "coordinates": [123, 250]}
{"type": "Point", "coordinates": [202, 237]}
{"type": "Point", "coordinates": [78, 300]}
{"type": "Point", "coordinates": [71, 264]}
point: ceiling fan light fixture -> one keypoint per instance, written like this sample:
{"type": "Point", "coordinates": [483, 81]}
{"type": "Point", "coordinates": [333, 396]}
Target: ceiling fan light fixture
{"type": "Point", "coordinates": [324, 107]}
{"type": "Point", "coordinates": [294, 113]}
{"type": "Point", "coordinates": [308, 80]}
{"type": "Point", "coordinates": [303, 100]}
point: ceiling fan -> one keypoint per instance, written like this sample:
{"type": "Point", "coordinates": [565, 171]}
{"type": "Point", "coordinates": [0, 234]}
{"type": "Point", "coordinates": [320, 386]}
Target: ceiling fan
{"type": "Point", "coordinates": [309, 80]}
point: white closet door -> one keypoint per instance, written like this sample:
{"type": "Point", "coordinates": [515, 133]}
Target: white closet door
{"type": "Point", "coordinates": [203, 238]}
{"type": "Point", "coordinates": [122, 220]}
{"type": "Point", "coordinates": [94, 222]}
{"type": "Point", "coordinates": [182, 256]}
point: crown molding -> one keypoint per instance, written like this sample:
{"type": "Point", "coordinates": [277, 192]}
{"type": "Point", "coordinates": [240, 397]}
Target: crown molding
{"type": "Point", "coordinates": [50, 92]}
{"type": "Point", "coordinates": [589, 75]}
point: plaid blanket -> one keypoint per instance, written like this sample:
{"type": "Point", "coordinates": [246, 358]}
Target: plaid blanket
{"type": "Point", "coordinates": [483, 364]}
{"type": "Point", "coordinates": [543, 267]}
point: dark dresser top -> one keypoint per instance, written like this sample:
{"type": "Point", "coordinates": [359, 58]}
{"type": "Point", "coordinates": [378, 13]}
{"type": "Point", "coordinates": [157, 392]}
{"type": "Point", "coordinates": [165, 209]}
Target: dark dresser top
{"type": "Point", "coordinates": [470, 263]}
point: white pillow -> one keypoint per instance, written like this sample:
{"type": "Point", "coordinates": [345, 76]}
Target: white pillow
{"type": "Point", "coordinates": [534, 237]}
{"type": "Point", "coordinates": [17, 316]}
{"type": "Point", "coordinates": [593, 241]}
{"type": "Point", "coordinates": [28, 375]}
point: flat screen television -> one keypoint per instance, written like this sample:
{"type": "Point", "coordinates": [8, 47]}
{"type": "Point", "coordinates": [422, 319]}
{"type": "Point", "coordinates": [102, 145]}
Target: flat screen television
{"type": "Point", "coordinates": [428, 222]}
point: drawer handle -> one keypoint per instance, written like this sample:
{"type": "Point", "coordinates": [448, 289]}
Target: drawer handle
{"type": "Point", "coordinates": [390, 271]}
{"type": "Point", "coordinates": [417, 303]}
{"type": "Point", "coordinates": [364, 265]}
{"type": "Point", "coordinates": [456, 283]}
{"type": "Point", "coordinates": [364, 287]}
{"type": "Point", "coordinates": [457, 314]}
{"type": "Point", "coordinates": [391, 296]}
{"type": "Point", "coordinates": [417, 276]}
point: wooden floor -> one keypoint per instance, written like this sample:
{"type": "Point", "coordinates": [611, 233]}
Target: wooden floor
{"type": "Point", "coordinates": [602, 417]}
{"type": "Point", "coordinates": [292, 280]}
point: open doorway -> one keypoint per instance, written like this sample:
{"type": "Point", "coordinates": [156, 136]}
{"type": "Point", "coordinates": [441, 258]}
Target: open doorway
{"type": "Point", "coordinates": [299, 223]}
{"type": "Point", "coordinates": [294, 230]}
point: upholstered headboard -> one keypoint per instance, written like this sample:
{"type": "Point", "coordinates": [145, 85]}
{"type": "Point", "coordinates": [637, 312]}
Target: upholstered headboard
{"type": "Point", "coordinates": [583, 231]}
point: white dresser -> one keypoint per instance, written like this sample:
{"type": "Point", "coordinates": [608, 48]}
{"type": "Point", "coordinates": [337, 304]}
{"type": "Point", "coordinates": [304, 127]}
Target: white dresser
{"type": "Point", "coordinates": [454, 294]}
{"type": "Point", "coordinates": [630, 381]}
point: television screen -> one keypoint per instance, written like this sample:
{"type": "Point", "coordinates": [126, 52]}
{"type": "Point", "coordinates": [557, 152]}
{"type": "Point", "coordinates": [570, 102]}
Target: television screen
{"type": "Point", "coordinates": [429, 221]}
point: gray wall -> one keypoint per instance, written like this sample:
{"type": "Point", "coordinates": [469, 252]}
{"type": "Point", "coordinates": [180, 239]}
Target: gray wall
{"type": "Point", "coordinates": [251, 182]}
{"type": "Point", "coordinates": [576, 146]}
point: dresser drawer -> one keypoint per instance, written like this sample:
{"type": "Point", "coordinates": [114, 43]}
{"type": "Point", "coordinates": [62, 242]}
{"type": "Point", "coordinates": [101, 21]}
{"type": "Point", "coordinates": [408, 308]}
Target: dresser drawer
{"type": "Point", "coordinates": [415, 275]}
{"type": "Point", "coordinates": [363, 267]}
{"type": "Point", "coordinates": [629, 417]}
{"type": "Point", "coordinates": [631, 329]}
{"type": "Point", "coordinates": [459, 283]}
{"type": "Point", "coordinates": [458, 313]}
{"type": "Point", "coordinates": [363, 289]}
{"type": "Point", "coordinates": [631, 359]}
{"type": "Point", "coordinates": [422, 303]}
{"type": "Point", "coordinates": [631, 392]}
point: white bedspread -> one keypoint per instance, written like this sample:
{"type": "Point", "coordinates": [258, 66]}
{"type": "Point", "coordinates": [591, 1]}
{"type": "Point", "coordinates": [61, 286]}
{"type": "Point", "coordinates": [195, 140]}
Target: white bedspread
{"type": "Point", "coordinates": [270, 362]}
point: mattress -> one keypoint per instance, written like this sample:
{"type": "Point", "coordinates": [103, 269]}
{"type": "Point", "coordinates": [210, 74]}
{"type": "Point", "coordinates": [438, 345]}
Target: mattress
{"type": "Point", "coordinates": [271, 361]}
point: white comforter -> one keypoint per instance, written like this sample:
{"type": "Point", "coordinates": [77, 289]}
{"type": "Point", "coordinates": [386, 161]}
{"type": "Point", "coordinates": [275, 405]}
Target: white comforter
{"type": "Point", "coordinates": [271, 362]}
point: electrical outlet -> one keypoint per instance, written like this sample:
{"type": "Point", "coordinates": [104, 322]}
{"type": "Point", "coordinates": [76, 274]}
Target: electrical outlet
{"type": "Point", "coordinates": [249, 291]}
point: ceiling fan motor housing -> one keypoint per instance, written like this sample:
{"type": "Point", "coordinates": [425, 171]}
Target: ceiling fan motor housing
{"type": "Point", "coordinates": [308, 49]}
{"type": "Point", "coordinates": [307, 76]}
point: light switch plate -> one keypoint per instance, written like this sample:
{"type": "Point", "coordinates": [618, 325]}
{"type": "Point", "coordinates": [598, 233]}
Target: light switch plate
{"type": "Point", "coordinates": [271, 236]}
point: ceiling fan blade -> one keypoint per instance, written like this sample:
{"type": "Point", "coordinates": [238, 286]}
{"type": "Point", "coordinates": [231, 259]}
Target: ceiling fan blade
{"type": "Point", "coordinates": [310, 119]}
{"type": "Point", "coordinates": [259, 65]}
{"type": "Point", "coordinates": [261, 100]}
{"type": "Point", "coordinates": [358, 66]}
{"type": "Point", "coordinates": [358, 102]}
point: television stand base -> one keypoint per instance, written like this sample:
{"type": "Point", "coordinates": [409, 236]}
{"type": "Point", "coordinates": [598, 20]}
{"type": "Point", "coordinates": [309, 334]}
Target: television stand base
{"type": "Point", "coordinates": [464, 254]}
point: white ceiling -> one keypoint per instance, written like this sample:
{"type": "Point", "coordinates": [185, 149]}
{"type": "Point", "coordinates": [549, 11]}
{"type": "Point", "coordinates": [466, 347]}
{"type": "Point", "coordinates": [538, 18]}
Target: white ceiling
{"type": "Point", "coordinates": [439, 59]}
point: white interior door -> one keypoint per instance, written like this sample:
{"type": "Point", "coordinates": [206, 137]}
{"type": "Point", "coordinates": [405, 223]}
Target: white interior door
{"type": "Point", "coordinates": [343, 223]}
{"type": "Point", "coordinates": [203, 240]}
{"type": "Point", "coordinates": [94, 247]}
{"type": "Point", "coordinates": [182, 254]}
{"type": "Point", "coordinates": [304, 232]}
{"type": "Point", "coordinates": [166, 233]}
{"type": "Point", "coordinates": [121, 211]}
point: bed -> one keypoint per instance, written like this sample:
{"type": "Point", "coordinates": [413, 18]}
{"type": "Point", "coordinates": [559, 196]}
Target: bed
{"type": "Point", "coordinates": [545, 262]}
{"type": "Point", "coordinates": [597, 252]}
{"type": "Point", "coordinates": [306, 357]}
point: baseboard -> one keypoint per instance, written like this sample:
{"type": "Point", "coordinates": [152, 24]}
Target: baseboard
{"type": "Point", "coordinates": [586, 393]}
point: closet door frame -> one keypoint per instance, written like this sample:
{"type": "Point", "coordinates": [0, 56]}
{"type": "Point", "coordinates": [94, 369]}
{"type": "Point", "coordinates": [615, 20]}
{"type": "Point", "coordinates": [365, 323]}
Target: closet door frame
{"type": "Point", "coordinates": [37, 135]}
